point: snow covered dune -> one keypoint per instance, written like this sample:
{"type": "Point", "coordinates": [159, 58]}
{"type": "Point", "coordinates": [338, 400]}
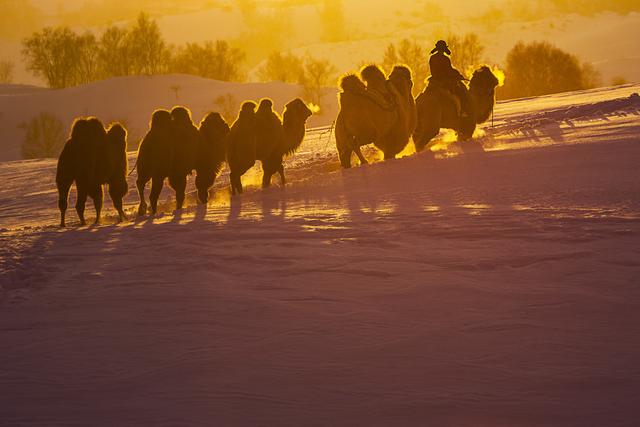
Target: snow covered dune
{"type": "Point", "coordinates": [493, 288]}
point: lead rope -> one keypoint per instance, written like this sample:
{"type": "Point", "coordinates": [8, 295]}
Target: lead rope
{"type": "Point", "coordinates": [134, 167]}
{"type": "Point", "coordinates": [329, 138]}
{"type": "Point", "coordinates": [492, 110]}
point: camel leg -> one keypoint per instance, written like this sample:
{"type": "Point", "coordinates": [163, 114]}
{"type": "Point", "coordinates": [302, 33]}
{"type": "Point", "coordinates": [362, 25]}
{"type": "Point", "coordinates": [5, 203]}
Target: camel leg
{"type": "Point", "coordinates": [283, 180]}
{"type": "Point", "coordinates": [98, 198]}
{"type": "Point", "coordinates": [141, 183]}
{"type": "Point", "coordinates": [467, 127]}
{"type": "Point", "coordinates": [203, 184]}
{"type": "Point", "coordinates": [117, 203]}
{"type": "Point", "coordinates": [426, 139]}
{"type": "Point", "coordinates": [179, 184]}
{"type": "Point", "coordinates": [344, 144]}
{"type": "Point", "coordinates": [116, 198]}
{"type": "Point", "coordinates": [231, 182]}
{"type": "Point", "coordinates": [236, 184]}
{"type": "Point", "coordinates": [268, 171]}
{"type": "Point", "coordinates": [156, 188]}
{"type": "Point", "coordinates": [63, 200]}
{"type": "Point", "coordinates": [81, 202]}
{"type": "Point", "coordinates": [345, 158]}
{"type": "Point", "coordinates": [363, 160]}
{"type": "Point", "coordinates": [266, 179]}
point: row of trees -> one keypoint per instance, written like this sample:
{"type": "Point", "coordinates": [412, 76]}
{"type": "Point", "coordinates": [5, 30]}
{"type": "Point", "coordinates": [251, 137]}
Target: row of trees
{"type": "Point", "coordinates": [468, 54]}
{"type": "Point", "coordinates": [532, 69]}
{"type": "Point", "coordinates": [64, 58]}
{"type": "Point", "coordinates": [313, 74]}
{"type": "Point", "coordinates": [540, 68]}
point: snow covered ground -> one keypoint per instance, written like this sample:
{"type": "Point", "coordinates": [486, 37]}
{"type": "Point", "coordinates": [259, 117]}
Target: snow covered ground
{"type": "Point", "coordinates": [495, 287]}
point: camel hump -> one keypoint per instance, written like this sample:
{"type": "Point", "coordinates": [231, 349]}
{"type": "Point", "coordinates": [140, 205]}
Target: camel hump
{"type": "Point", "coordinates": [116, 133]}
{"type": "Point", "coordinates": [352, 83]}
{"type": "Point", "coordinates": [373, 76]}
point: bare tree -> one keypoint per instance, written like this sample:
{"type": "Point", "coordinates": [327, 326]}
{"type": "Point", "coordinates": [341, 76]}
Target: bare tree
{"type": "Point", "coordinates": [590, 76]}
{"type": "Point", "coordinates": [282, 67]}
{"type": "Point", "coordinates": [227, 106]}
{"type": "Point", "coordinates": [619, 81]}
{"type": "Point", "coordinates": [44, 137]}
{"type": "Point", "coordinates": [412, 54]}
{"type": "Point", "coordinates": [50, 54]}
{"type": "Point", "coordinates": [467, 52]}
{"type": "Point", "coordinates": [214, 60]}
{"type": "Point", "coordinates": [62, 57]}
{"type": "Point", "coordinates": [6, 71]}
{"type": "Point", "coordinates": [318, 74]}
{"type": "Point", "coordinates": [540, 68]}
{"type": "Point", "coordinates": [149, 52]}
{"type": "Point", "coordinates": [86, 61]}
{"type": "Point", "coordinates": [114, 53]}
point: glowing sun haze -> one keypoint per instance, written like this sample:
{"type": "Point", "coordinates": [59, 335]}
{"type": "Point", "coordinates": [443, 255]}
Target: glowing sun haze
{"type": "Point", "coordinates": [350, 33]}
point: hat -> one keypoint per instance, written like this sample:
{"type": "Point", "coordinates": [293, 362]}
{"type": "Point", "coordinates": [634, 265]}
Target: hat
{"type": "Point", "coordinates": [441, 46]}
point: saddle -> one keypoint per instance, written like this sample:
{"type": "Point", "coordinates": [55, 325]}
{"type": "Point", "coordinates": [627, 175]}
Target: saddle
{"type": "Point", "coordinates": [382, 97]}
{"type": "Point", "coordinates": [444, 91]}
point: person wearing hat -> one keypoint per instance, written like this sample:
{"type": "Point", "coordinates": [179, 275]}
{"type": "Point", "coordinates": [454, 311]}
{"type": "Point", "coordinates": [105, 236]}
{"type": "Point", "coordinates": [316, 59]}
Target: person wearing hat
{"type": "Point", "coordinates": [445, 76]}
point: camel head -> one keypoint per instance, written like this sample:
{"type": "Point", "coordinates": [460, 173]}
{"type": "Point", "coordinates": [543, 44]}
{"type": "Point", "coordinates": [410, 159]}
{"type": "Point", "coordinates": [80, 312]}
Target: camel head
{"type": "Point", "coordinates": [482, 90]}
{"type": "Point", "coordinates": [297, 110]}
{"type": "Point", "coordinates": [247, 110]}
{"type": "Point", "coordinates": [266, 104]}
{"type": "Point", "coordinates": [181, 116]}
{"type": "Point", "coordinates": [352, 83]}
{"type": "Point", "coordinates": [116, 133]}
{"type": "Point", "coordinates": [374, 77]}
{"type": "Point", "coordinates": [294, 120]}
{"type": "Point", "coordinates": [96, 130]}
{"type": "Point", "coordinates": [79, 129]}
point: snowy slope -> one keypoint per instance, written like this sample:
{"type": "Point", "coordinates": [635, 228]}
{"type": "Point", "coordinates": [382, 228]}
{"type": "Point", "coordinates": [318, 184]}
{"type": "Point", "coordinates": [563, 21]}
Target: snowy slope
{"type": "Point", "coordinates": [468, 288]}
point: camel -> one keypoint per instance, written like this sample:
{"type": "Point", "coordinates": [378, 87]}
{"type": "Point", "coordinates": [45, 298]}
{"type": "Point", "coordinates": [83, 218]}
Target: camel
{"type": "Point", "coordinates": [285, 139]}
{"type": "Point", "coordinates": [117, 159]}
{"type": "Point", "coordinates": [436, 111]}
{"type": "Point", "coordinates": [186, 141]}
{"type": "Point", "coordinates": [84, 161]}
{"type": "Point", "coordinates": [168, 150]}
{"type": "Point", "coordinates": [375, 110]}
{"type": "Point", "coordinates": [212, 152]}
{"type": "Point", "coordinates": [155, 158]}
{"type": "Point", "coordinates": [241, 148]}
{"type": "Point", "coordinates": [262, 135]}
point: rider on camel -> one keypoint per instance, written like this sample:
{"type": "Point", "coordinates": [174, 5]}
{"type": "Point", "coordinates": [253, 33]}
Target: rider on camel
{"type": "Point", "coordinates": [443, 75]}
